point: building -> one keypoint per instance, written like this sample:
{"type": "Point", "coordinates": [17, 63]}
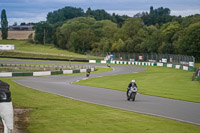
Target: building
{"type": "Point", "coordinates": [21, 27]}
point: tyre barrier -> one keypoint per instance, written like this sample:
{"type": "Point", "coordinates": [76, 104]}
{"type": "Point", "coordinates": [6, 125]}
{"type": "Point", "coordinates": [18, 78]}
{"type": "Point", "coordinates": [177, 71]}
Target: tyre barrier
{"type": "Point", "coordinates": [182, 67]}
{"type": "Point", "coordinates": [45, 73]}
{"type": "Point", "coordinates": [6, 108]}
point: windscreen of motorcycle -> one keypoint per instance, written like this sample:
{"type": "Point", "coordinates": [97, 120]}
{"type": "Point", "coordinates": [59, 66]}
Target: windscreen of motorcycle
{"type": "Point", "coordinates": [134, 89]}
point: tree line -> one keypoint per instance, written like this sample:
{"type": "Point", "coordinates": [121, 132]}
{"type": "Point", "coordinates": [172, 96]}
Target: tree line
{"type": "Point", "coordinates": [155, 31]}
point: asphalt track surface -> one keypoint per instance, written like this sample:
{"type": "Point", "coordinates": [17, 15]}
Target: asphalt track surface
{"type": "Point", "coordinates": [62, 85]}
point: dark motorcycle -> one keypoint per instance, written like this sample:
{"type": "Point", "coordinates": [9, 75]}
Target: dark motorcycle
{"type": "Point", "coordinates": [87, 74]}
{"type": "Point", "coordinates": [131, 93]}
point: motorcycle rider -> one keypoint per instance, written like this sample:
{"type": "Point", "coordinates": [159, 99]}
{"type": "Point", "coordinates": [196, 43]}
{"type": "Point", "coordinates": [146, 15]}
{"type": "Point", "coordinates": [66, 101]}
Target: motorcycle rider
{"type": "Point", "coordinates": [87, 74]}
{"type": "Point", "coordinates": [131, 84]}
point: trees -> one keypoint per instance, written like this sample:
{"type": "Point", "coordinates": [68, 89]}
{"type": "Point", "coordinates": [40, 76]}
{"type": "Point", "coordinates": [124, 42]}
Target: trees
{"type": "Point", "coordinates": [189, 41]}
{"type": "Point", "coordinates": [131, 27]}
{"type": "Point", "coordinates": [132, 33]}
{"type": "Point", "coordinates": [103, 46]}
{"type": "Point", "coordinates": [84, 34]}
{"type": "Point", "coordinates": [98, 31]}
{"type": "Point", "coordinates": [168, 34]}
{"type": "Point", "coordinates": [119, 46]}
{"type": "Point", "coordinates": [157, 16]}
{"type": "Point", "coordinates": [76, 34]}
{"type": "Point", "coordinates": [104, 31]}
{"type": "Point", "coordinates": [4, 24]}
{"type": "Point", "coordinates": [64, 14]}
{"type": "Point", "coordinates": [43, 32]}
{"type": "Point", "coordinates": [98, 14]}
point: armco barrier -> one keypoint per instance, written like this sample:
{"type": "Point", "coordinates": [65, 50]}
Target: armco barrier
{"type": "Point", "coordinates": [98, 61]}
{"type": "Point", "coordinates": [67, 71]}
{"type": "Point", "coordinates": [92, 61]}
{"type": "Point", "coordinates": [76, 71]}
{"type": "Point", "coordinates": [182, 67]}
{"type": "Point", "coordinates": [56, 72]}
{"type": "Point", "coordinates": [103, 61]}
{"type": "Point", "coordinates": [88, 70]}
{"type": "Point", "coordinates": [108, 61]}
{"type": "Point", "coordinates": [165, 64]}
{"type": "Point", "coordinates": [191, 69]}
{"type": "Point", "coordinates": [178, 67]}
{"type": "Point", "coordinates": [21, 74]}
{"type": "Point", "coordinates": [185, 68]}
{"type": "Point", "coordinates": [169, 65]}
{"type": "Point", "coordinates": [82, 70]}
{"type": "Point", "coordinates": [159, 64]}
{"type": "Point", "coordinates": [6, 74]}
{"type": "Point", "coordinates": [45, 73]}
{"type": "Point", "coordinates": [173, 66]}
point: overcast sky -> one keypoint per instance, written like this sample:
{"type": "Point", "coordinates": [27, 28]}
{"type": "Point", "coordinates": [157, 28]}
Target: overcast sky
{"type": "Point", "coordinates": [36, 10]}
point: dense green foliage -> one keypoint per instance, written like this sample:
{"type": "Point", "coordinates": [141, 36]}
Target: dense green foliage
{"type": "Point", "coordinates": [64, 14]}
{"type": "Point", "coordinates": [4, 25]}
{"type": "Point", "coordinates": [97, 31]}
{"type": "Point", "coordinates": [85, 34]}
{"type": "Point", "coordinates": [43, 32]}
{"type": "Point", "coordinates": [157, 16]}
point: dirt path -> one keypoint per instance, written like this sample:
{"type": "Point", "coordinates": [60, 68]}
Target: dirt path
{"type": "Point", "coordinates": [21, 121]}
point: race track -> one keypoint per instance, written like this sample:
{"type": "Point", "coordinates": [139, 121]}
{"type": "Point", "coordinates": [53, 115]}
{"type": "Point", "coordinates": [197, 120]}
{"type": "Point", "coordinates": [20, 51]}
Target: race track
{"type": "Point", "coordinates": [62, 85]}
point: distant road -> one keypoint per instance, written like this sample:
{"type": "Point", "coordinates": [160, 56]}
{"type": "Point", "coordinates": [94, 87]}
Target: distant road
{"type": "Point", "coordinates": [62, 85]}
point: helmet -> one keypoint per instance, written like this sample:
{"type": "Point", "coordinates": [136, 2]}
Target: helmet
{"type": "Point", "coordinates": [133, 81]}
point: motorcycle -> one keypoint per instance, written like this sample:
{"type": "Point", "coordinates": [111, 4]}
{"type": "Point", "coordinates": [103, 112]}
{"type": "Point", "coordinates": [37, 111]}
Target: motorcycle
{"type": "Point", "coordinates": [131, 93]}
{"type": "Point", "coordinates": [87, 74]}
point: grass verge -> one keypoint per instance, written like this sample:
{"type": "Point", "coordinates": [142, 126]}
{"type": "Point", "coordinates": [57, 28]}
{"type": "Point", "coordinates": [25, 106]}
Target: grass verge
{"type": "Point", "coordinates": [51, 113]}
{"type": "Point", "coordinates": [28, 50]}
{"type": "Point", "coordinates": [156, 81]}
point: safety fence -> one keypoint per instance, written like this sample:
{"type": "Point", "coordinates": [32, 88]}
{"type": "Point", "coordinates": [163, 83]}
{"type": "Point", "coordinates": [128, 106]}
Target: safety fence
{"type": "Point", "coordinates": [45, 73]}
{"type": "Point", "coordinates": [145, 57]}
{"type": "Point", "coordinates": [186, 68]}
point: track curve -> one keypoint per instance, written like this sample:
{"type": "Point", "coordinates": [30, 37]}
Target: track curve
{"type": "Point", "coordinates": [157, 106]}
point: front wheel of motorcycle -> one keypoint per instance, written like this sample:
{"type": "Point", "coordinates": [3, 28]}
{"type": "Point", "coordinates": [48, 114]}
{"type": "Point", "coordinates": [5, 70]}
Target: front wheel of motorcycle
{"type": "Point", "coordinates": [133, 96]}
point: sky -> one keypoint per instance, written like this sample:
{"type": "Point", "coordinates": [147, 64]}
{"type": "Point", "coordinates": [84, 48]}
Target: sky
{"type": "Point", "coordinates": [36, 10]}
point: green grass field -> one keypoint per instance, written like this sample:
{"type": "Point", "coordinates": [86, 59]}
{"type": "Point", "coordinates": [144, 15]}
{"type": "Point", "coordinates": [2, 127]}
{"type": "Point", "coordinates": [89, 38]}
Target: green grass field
{"type": "Point", "coordinates": [156, 81]}
{"type": "Point", "coordinates": [22, 45]}
{"type": "Point", "coordinates": [51, 113]}
{"type": "Point", "coordinates": [25, 49]}
{"type": "Point", "coordinates": [54, 114]}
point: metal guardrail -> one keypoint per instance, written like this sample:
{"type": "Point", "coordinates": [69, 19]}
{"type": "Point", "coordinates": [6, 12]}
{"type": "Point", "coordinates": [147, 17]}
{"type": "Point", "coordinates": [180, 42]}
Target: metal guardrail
{"type": "Point", "coordinates": [46, 66]}
{"type": "Point", "coordinates": [172, 58]}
